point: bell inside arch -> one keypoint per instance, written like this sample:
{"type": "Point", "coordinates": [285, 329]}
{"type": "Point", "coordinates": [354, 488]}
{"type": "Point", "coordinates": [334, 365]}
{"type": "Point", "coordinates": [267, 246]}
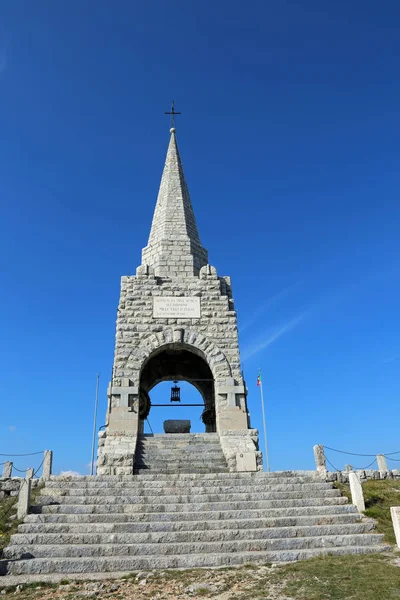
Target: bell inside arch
{"type": "Point", "coordinates": [175, 393]}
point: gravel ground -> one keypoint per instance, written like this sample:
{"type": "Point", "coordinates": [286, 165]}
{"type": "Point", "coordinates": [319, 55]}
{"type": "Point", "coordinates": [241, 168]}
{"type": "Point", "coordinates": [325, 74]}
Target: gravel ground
{"type": "Point", "coordinates": [220, 584]}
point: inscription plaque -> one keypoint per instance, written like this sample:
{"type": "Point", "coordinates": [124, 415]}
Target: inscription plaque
{"type": "Point", "coordinates": [184, 307]}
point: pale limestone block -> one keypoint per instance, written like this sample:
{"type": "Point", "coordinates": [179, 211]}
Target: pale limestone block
{"type": "Point", "coordinates": [7, 469]}
{"type": "Point", "coordinates": [348, 468]}
{"type": "Point", "coordinates": [47, 464]}
{"type": "Point", "coordinates": [395, 514]}
{"type": "Point", "coordinates": [231, 418]}
{"type": "Point", "coordinates": [382, 464]}
{"type": "Point", "coordinates": [29, 473]}
{"type": "Point", "coordinates": [357, 494]}
{"type": "Point", "coordinates": [319, 456]}
{"type": "Point", "coordinates": [24, 497]}
{"type": "Point", "coordinates": [246, 461]}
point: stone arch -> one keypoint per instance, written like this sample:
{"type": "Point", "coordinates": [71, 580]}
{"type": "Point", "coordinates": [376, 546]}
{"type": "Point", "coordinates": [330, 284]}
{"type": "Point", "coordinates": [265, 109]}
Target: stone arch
{"type": "Point", "coordinates": [177, 360]}
{"type": "Point", "coordinates": [190, 338]}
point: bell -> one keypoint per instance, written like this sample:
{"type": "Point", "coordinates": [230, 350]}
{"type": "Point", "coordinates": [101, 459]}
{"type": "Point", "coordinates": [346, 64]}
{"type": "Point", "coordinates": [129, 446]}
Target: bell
{"type": "Point", "coordinates": [175, 393]}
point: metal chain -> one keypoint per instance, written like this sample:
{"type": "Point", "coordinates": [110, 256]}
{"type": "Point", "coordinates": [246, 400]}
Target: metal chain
{"type": "Point", "coordinates": [356, 454]}
{"type": "Point", "coordinates": [31, 454]}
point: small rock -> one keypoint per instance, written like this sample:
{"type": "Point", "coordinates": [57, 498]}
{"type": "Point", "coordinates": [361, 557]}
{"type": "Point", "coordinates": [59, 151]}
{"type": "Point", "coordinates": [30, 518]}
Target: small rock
{"type": "Point", "coordinates": [114, 587]}
{"type": "Point", "coordinates": [143, 582]}
{"type": "Point", "coordinates": [141, 575]}
{"type": "Point", "coordinates": [195, 587]}
{"type": "Point", "coordinates": [93, 587]}
{"type": "Point", "coordinates": [3, 592]}
{"type": "Point", "coordinates": [18, 589]}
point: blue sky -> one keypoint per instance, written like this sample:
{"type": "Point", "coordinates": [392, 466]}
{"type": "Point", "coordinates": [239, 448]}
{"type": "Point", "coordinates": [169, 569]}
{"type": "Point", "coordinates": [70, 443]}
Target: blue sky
{"type": "Point", "coordinates": [289, 139]}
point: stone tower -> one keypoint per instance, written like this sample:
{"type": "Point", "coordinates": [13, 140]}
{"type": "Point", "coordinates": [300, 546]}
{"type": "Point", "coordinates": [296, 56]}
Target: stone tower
{"type": "Point", "coordinates": [176, 320]}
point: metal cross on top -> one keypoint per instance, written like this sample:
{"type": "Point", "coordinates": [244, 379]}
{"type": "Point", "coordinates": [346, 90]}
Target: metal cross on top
{"type": "Point", "coordinates": [173, 113]}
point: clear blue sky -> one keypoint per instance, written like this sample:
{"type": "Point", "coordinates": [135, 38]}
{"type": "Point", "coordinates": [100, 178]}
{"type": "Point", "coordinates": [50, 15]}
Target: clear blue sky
{"type": "Point", "coordinates": [290, 143]}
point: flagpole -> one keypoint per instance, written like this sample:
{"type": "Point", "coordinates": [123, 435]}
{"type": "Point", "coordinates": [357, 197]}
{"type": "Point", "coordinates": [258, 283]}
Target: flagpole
{"type": "Point", "coordinates": [264, 423]}
{"type": "Point", "coordinates": [94, 422]}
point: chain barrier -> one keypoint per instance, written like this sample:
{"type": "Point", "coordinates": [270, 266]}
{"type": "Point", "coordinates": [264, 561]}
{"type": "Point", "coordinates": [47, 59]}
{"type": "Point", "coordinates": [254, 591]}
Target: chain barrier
{"type": "Point", "coordinates": [31, 454]}
{"type": "Point", "coordinates": [357, 454]}
{"type": "Point", "coordinates": [387, 455]}
{"type": "Point", "coordinates": [364, 468]}
{"type": "Point", "coordinates": [333, 466]}
{"type": "Point", "coordinates": [38, 469]}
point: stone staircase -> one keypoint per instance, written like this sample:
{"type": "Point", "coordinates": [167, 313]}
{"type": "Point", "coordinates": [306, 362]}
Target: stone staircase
{"type": "Point", "coordinates": [180, 453]}
{"type": "Point", "coordinates": [164, 520]}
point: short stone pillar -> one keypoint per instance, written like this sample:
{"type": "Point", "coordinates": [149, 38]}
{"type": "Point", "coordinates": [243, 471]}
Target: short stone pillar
{"type": "Point", "coordinates": [47, 464]}
{"type": "Point", "coordinates": [395, 514]}
{"type": "Point", "coordinates": [7, 469]}
{"type": "Point", "coordinates": [357, 495]}
{"type": "Point", "coordinates": [348, 468]}
{"type": "Point", "coordinates": [24, 497]}
{"type": "Point", "coordinates": [29, 473]}
{"type": "Point", "coordinates": [381, 460]}
{"type": "Point", "coordinates": [320, 459]}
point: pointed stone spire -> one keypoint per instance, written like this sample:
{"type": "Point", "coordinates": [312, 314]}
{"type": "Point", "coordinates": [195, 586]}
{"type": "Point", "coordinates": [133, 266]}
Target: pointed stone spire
{"type": "Point", "coordinates": [174, 246]}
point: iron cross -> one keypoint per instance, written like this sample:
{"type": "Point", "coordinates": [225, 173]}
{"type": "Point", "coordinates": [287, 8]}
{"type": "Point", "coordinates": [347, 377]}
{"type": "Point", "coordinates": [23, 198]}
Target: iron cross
{"type": "Point", "coordinates": [172, 113]}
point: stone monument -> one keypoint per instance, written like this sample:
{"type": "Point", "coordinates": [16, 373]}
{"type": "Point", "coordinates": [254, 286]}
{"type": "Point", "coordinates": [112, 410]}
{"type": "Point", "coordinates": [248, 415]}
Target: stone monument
{"type": "Point", "coordinates": [176, 321]}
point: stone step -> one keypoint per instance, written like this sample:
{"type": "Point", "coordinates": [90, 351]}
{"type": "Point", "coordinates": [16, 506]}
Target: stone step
{"type": "Point", "coordinates": [203, 454]}
{"type": "Point", "coordinates": [171, 443]}
{"type": "Point", "coordinates": [170, 470]}
{"type": "Point", "coordinates": [178, 463]}
{"type": "Point", "coordinates": [193, 476]}
{"type": "Point", "coordinates": [120, 523]}
{"type": "Point", "coordinates": [144, 483]}
{"type": "Point", "coordinates": [163, 456]}
{"type": "Point", "coordinates": [188, 536]}
{"type": "Point", "coordinates": [194, 507]}
{"type": "Point", "coordinates": [166, 549]}
{"type": "Point", "coordinates": [148, 490]}
{"type": "Point", "coordinates": [150, 500]}
{"type": "Point", "coordinates": [172, 437]}
{"type": "Point", "coordinates": [129, 564]}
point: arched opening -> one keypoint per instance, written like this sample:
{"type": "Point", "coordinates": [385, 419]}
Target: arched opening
{"type": "Point", "coordinates": [180, 363]}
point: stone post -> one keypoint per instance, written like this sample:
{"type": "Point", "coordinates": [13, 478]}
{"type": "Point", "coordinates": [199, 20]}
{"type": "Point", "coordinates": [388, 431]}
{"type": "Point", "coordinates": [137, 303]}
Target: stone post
{"type": "Point", "coordinates": [357, 495]}
{"type": "Point", "coordinates": [395, 513]}
{"type": "Point", "coordinates": [381, 460]}
{"type": "Point", "coordinates": [24, 497]}
{"type": "Point", "coordinates": [47, 464]}
{"type": "Point", "coordinates": [320, 460]}
{"type": "Point", "coordinates": [348, 468]}
{"type": "Point", "coordinates": [7, 469]}
{"type": "Point", "coordinates": [29, 473]}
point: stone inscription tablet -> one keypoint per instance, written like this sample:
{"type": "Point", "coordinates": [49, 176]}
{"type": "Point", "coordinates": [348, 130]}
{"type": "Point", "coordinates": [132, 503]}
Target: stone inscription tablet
{"type": "Point", "coordinates": [183, 307]}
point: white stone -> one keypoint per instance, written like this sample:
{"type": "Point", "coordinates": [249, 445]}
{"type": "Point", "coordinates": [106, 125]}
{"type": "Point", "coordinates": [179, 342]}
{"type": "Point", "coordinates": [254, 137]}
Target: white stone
{"type": "Point", "coordinates": [47, 464]}
{"type": "Point", "coordinates": [395, 514]}
{"type": "Point", "coordinates": [356, 490]}
{"type": "Point", "coordinates": [7, 469]}
{"type": "Point", "coordinates": [382, 464]}
{"type": "Point", "coordinates": [179, 307]}
{"type": "Point", "coordinates": [24, 498]}
{"type": "Point", "coordinates": [246, 461]}
{"type": "Point", "coordinates": [319, 456]}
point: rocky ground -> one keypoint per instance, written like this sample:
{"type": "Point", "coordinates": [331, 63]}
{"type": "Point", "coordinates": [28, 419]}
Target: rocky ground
{"type": "Point", "coordinates": [357, 577]}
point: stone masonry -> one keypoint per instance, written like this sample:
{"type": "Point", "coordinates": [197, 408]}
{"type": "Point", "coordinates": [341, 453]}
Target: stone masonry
{"type": "Point", "coordinates": [176, 319]}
